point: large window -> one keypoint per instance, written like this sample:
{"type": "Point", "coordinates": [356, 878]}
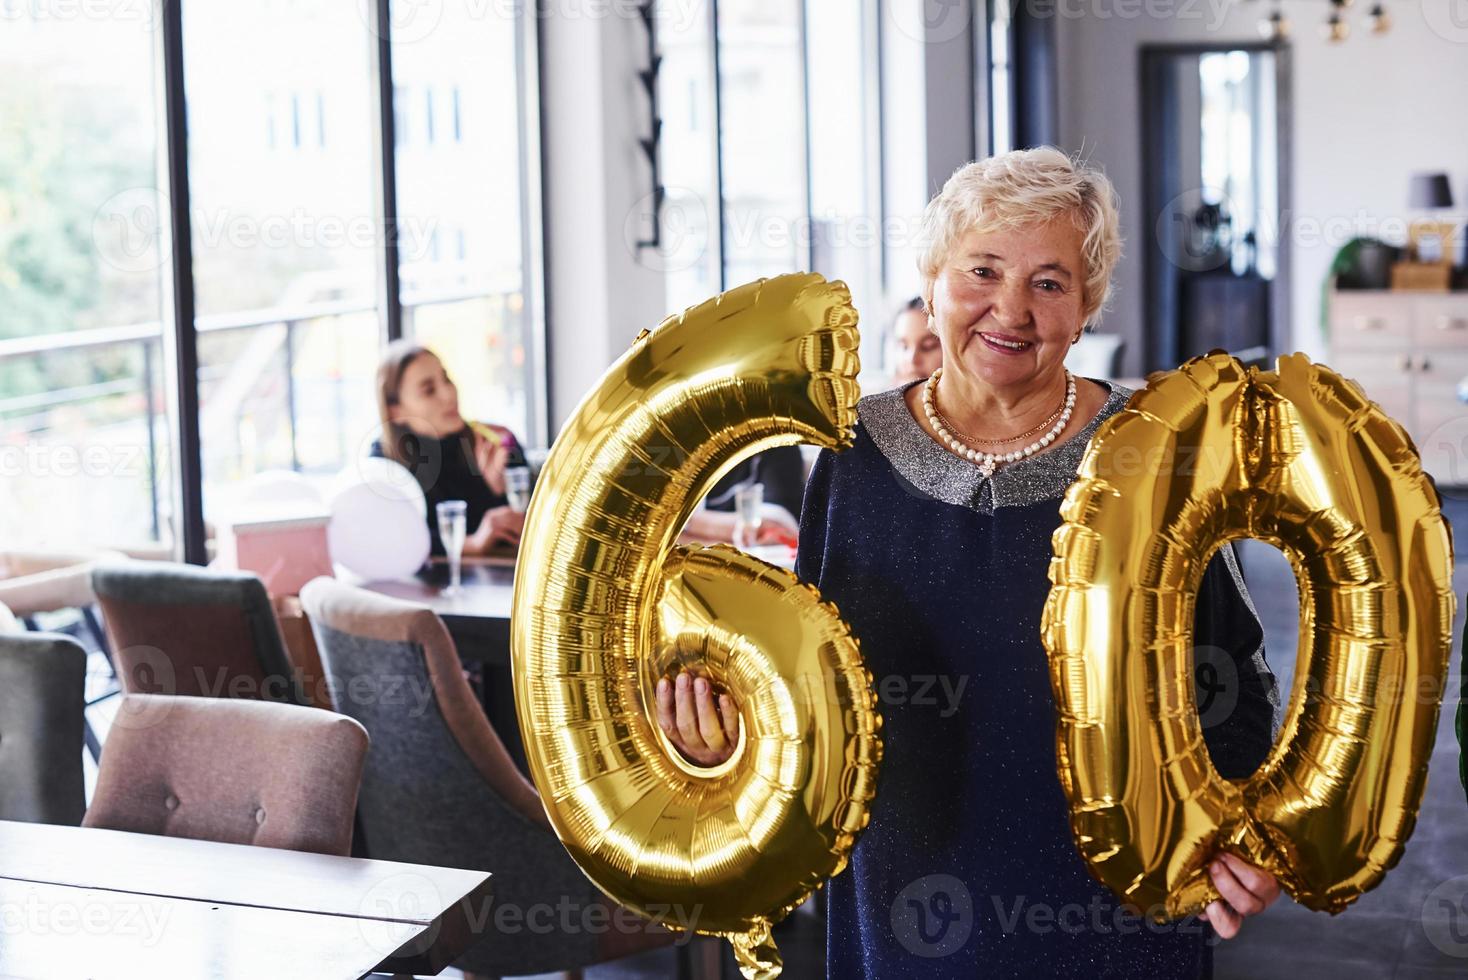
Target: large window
{"type": "Point", "coordinates": [687, 99]}
{"type": "Point", "coordinates": [285, 236]}
{"type": "Point", "coordinates": [462, 238]}
{"type": "Point", "coordinates": [771, 147]}
{"type": "Point", "coordinates": [289, 273]}
{"type": "Point", "coordinates": [844, 137]}
{"type": "Point", "coordinates": [762, 138]}
{"type": "Point", "coordinates": [83, 430]}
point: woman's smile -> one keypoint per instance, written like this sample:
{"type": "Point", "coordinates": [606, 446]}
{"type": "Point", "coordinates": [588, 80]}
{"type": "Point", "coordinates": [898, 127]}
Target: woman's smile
{"type": "Point", "coordinates": [1004, 343]}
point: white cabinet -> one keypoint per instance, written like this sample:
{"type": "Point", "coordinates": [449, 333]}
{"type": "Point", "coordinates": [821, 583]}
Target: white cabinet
{"type": "Point", "coordinates": [1409, 351]}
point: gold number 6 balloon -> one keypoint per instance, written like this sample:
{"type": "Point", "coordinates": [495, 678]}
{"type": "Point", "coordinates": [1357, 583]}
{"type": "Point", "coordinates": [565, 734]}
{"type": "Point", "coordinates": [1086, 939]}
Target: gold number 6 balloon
{"type": "Point", "coordinates": [605, 604]}
{"type": "Point", "coordinates": [1297, 457]}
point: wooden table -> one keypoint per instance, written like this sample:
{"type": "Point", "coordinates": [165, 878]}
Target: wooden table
{"type": "Point", "coordinates": [87, 903]}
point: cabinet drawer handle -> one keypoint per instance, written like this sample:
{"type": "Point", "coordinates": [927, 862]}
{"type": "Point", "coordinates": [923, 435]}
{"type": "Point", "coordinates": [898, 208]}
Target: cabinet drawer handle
{"type": "Point", "coordinates": [1452, 323]}
{"type": "Point", "coordinates": [1426, 365]}
{"type": "Point", "coordinates": [1364, 322]}
{"type": "Point", "coordinates": [1405, 362]}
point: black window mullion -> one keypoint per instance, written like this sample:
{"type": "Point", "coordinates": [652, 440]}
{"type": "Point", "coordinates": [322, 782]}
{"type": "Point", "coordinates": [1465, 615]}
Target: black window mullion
{"type": "Point", "coordinates": [184, 335]}
{"type": "Point", "coordinates": [391, 283]}
{"type": "Point", "coordinates": [981, 60]}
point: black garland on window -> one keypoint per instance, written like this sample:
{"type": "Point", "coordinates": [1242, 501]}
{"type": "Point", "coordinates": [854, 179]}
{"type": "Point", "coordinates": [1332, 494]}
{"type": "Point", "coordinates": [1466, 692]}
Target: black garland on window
{"type": "Point", "coordinates": [649, 76]}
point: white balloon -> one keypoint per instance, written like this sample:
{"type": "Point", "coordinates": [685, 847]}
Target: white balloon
{"type": "Point", "coordinates": [386, 477]}
{"type": "Point", "coordinates": [379, 522]}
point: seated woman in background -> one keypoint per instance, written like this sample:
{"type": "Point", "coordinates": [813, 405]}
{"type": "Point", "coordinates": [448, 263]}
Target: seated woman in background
{"type": "Point", "coordinates": [418, 405]}
{"type": "Point", "coordinates": [916, 351]}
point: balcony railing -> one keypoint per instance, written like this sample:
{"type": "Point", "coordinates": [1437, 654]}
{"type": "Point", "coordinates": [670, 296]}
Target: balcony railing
{"type": "Point", "coordinates": [32, 414]}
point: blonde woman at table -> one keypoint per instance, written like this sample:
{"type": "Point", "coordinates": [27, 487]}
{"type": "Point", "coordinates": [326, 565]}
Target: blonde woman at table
{"type": "Point", "coordinates": [422, 429]}
{"type": "Point", "coordinates": [932, 534]}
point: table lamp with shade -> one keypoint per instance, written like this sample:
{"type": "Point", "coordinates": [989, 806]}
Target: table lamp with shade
{"type": "Point", "coordinates": [1430, 262]}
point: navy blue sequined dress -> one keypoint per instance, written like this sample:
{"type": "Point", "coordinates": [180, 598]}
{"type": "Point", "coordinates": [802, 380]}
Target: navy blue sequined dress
{"type": "Point", "coordinates": [968, 868]}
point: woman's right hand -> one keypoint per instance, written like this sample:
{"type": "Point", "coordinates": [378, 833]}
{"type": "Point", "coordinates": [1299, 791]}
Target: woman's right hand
{"type": "Point", "coordinates": [492, 456]}
{"type": "Point", "coordinates": [705, 734]}
{"type": "Point", "coordinates": [501, 525]}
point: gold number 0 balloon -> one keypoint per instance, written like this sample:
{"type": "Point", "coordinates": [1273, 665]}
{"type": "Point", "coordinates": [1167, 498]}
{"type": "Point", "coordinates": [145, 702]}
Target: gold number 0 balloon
{"type": "Point", "coordinates": [605, 604]}
{"type": "Point", "coordinates": [1300, 458]}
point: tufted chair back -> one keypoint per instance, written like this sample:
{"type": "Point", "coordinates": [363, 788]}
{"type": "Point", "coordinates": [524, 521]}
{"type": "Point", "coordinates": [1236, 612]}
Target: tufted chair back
{"type": "Point", "coordinates": [232, 771]}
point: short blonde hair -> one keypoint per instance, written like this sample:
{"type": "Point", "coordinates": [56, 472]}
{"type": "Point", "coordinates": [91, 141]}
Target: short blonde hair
{"type": "Point", "coordinates": [1026, 187]}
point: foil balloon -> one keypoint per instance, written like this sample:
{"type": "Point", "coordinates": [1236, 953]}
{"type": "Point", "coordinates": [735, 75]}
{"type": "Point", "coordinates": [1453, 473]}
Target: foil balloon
{"type": "Point", "coordinates": [1297, 457]}
{"type": "Point", "coordinates": [605, 604]}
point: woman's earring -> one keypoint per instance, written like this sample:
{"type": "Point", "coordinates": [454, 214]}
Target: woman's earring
{"type": "Point", "coordinates": [1077, 338]}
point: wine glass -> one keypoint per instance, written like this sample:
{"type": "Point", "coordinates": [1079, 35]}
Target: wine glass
{"type": "Point", "coordinates": [453, 526]}
{"type": "Point", "coordinates": [517, 488]}
{"type": "Point", "coordinates": [749, 503]}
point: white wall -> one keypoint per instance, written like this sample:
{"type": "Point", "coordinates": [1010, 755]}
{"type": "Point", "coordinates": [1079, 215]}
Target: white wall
{"type": "Point", "coordinates": [599, 293]}
{"type": "Point", "coordinates": [1367, 113]}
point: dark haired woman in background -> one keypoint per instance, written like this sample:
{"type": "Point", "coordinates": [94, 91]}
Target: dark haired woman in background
{"type": "Point", "coordinates": [418, 405]}
{"type": "Point", "coordinates": [916, 352]}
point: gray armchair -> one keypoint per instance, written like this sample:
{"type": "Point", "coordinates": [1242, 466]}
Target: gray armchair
{"type": "Point", "coordinates": [181, 629]}
{"type": "Point", "coordinates": [42, 686]}
{"type": "Point", "coordinates": [439, 787]}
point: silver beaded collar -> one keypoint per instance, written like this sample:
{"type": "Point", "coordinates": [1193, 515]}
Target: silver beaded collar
{"type": "Point", "coordinates": [930, 469]}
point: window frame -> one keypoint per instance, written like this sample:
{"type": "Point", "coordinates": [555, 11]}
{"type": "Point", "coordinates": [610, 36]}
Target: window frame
{"type": "Point", "coordinates": [179, 316]}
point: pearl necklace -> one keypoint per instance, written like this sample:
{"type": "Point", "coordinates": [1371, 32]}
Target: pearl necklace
{"type": "Point", "coordinates": [1045, 424]}
{"type": "Point", "coordinates": [988, 462]}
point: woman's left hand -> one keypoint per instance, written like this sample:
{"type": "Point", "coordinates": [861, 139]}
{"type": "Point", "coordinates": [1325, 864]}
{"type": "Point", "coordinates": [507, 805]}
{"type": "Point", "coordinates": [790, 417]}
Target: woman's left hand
{"type": "Point", "coordinates": [1246, 891]}
{"type": "Point", "coordinates": [705, 734]}
{"type": "Point", "coordinates": [492, 455]}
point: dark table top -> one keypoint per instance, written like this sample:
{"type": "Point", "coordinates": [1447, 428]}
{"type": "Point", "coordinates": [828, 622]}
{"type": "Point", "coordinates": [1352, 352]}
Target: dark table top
{"type": "Point", "coordinates": [112, 904]}
{"type": "Point", "coordinates": [487, 590]}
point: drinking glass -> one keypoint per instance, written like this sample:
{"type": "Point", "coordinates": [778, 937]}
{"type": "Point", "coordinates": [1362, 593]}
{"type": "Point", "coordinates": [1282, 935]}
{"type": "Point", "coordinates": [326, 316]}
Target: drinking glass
{"type": "Point", "coordinates": [517, 487]}
{"type": "Point", "coordinates": [453, 521]}
{"type": "Point", "coordinates": [749, 503]}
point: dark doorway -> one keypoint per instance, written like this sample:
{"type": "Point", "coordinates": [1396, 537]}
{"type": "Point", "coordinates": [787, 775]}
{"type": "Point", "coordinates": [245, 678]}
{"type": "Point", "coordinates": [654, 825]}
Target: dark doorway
{"type": "Point", "coordinates": [1215, 157]}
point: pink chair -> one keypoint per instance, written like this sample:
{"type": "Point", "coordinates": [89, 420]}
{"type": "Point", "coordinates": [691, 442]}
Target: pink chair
{"type": "Point", "coordinates": [231, 771]}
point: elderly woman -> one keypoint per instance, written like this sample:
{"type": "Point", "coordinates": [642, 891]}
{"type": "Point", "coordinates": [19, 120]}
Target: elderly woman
{"type": "Point", "coordinates": [932, 535]}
